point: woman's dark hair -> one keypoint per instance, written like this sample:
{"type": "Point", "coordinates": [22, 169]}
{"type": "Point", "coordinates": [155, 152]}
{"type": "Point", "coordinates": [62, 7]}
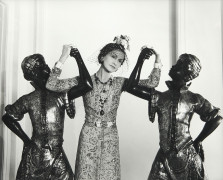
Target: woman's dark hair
{"type": "Point", "coordinates": [110, 47]}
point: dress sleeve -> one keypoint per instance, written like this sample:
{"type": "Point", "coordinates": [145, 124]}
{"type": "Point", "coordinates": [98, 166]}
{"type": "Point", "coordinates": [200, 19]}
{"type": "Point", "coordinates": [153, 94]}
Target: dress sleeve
{"type": "Point", "coordinates": [60, 85]}
{"type": "Point", "coordinates": [153, 79]}
{"type": "Point", "coordinates": [19, 108]}
{"type": "Point", "coordinates": [121, 82]}
{"type": "Point", "coordinates": [204, 108]}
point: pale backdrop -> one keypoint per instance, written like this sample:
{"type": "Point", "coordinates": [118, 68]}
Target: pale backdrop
{"type": "Point", "coordinates": [43, 26]}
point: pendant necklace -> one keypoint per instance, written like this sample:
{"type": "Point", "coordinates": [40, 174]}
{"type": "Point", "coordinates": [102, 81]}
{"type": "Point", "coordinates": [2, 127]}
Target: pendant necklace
{"type": "Point", "coordinates": [104, 92]}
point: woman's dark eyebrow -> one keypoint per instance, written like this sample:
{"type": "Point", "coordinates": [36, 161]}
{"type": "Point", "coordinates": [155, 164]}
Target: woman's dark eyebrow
{"type": "Point", "coordinates": [113, 53]}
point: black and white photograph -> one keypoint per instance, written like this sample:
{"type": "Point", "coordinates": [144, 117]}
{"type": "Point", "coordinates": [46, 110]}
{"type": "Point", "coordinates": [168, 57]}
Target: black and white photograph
{"type": "Point", "coordinates": [111, 89]}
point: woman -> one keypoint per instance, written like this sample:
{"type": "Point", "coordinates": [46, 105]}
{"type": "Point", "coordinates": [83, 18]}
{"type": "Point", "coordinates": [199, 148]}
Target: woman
{"type": "Point", "coordinates": [98, 150]}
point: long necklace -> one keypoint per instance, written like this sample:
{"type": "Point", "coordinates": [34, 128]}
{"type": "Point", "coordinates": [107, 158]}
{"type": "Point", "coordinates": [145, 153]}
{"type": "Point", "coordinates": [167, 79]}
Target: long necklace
{"type": "Point", "coordinates": [104, 93]}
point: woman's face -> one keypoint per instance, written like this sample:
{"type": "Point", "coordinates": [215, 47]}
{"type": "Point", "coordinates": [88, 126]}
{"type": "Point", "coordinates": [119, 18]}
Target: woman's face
{"type": "Point", "coordinates": [113, 60]}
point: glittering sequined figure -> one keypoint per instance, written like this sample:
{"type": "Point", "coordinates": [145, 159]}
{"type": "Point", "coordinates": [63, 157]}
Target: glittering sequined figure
{"type": "Point", "coordinates": [43, 156]}
{"type": "Point", "coordinates": [179, 157]}
{"type": "Point", "coordinates": [98, 150]}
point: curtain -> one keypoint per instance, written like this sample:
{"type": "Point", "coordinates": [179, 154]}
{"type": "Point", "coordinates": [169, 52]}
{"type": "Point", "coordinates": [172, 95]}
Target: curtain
{"type": "Point", "coordinates": [18, 39]}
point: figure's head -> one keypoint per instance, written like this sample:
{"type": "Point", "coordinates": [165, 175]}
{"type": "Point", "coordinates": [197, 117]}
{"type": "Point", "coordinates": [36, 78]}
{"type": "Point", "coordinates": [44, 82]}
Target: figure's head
{"type": "Point", "coordinates": [35, 69]}
{"type": "Point", "coordinates": [187, 68]}
{"type": "Point", "coordinates": [113, 55]}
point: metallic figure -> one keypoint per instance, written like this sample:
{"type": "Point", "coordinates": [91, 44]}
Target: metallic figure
{"type": "Point", "coordinates": [43, 156]}
{"type": "Point", "coordinates": [98, 150]}
{"type": "Point", "coordinates": [179, 157]}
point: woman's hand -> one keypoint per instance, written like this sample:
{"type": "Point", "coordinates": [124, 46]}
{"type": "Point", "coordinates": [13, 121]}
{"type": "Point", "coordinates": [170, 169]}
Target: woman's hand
{"type": "Point", "coordinates": [65, 53]}
{"type": "Point", "coordinates": [157, 59]}
{"type": "Point", "coordinates": [146, 53]}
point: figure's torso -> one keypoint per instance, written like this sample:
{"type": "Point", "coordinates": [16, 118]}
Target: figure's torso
{"type": "Point", "coordinates": [47, 115]}
{"type": "Point", "coordinates": [175, 112]}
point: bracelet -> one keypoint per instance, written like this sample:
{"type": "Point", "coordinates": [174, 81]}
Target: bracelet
{"type": "Point", "coordinates": [158, 65]}
{"type": "Point", "coordinates": [56, 71]}
{"type": "Point", "coordinates": [58, 64]}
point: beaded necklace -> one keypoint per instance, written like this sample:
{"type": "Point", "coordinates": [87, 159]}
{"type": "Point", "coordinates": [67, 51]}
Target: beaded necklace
{"type": "Point", "coordinates": [104, 92]}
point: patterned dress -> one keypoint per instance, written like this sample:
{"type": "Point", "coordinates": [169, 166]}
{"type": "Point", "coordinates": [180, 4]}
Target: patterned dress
{"type": "Point", "coordinates": [45, 158]}
{"type": "Point", "coordinates": [98, 150]}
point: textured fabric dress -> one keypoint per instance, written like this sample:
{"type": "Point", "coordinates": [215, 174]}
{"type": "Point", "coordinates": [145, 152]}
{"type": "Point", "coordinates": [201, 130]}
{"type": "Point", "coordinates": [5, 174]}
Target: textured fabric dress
{"type": "Point", "coordinates": [177, 158]}
{"type": "Point", "coordinates": [98, 150]}
{"type": "Point", "coordinates": [45, 158]}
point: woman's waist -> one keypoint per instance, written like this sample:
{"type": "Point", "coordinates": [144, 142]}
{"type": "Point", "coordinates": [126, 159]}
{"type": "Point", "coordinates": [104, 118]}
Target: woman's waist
{"type": "Point", "coordinates": [98, 113]}
{"type": "Point", "coordinates": [92, 118]}
{"type": "Point", "coordinates": [100, 123]}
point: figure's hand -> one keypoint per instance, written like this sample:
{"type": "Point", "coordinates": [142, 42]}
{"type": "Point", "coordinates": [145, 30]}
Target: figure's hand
{"type": "Point", "coordinates": [69, 105]}
{"type": "Point", "coordinates": [146, 53]}
{"type": "Point", "coordinates": [199, 149]}
{"type": "Point", "coordinates": [29, 142]}
{"type": "Point", "coordinates": [75, 53]}
{"type": "Point", "coordinates": [65, 53]}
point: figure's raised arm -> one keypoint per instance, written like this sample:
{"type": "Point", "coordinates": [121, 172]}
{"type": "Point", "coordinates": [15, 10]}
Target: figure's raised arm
{"type": "Point", "coordinates": [82, 83]}
{"type": "Point", "coordinates": [153, 80]}
{"type": "Point", "coordinates": [85, 83]}
{"type": "Point", "coordinates": [142, 88]}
